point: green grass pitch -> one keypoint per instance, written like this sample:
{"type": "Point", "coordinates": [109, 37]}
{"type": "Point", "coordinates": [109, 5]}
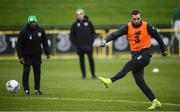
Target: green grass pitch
{"type": "Point", "coordinates": [101, 12]}
{"type": "Point", "coordinates": [64, 90]}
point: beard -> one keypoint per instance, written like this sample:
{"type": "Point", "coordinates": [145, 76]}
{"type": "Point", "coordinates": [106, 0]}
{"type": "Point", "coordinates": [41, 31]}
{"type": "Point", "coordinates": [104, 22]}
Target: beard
{"type": "Point", "coordinates": [137, 25]}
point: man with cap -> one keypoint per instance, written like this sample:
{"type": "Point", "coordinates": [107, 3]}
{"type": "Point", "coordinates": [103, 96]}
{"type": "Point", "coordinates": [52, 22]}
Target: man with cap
{"type": "Point", "coordinates": [29, 52]}
{"type": "Point", "coordinates": [82, 35]}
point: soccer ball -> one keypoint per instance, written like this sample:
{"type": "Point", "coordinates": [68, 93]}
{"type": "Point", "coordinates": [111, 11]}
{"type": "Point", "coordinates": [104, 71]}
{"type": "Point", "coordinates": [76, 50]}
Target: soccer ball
{"type": "Point", "coordinates": [155, 70]}
{"type": "Point", "coordinates": [12, 86]}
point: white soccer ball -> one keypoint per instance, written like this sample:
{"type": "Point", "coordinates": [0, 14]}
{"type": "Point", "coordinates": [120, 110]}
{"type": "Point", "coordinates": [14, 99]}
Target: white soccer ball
{"type": "Point", "coordinates": [155, 70]}
{"type": "Point", "coordinates": [12, 86]}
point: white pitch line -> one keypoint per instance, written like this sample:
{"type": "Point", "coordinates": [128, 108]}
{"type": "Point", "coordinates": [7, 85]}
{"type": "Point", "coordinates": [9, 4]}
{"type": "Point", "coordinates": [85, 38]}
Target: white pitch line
{"type": "Point", "coordinates": [84, 99]}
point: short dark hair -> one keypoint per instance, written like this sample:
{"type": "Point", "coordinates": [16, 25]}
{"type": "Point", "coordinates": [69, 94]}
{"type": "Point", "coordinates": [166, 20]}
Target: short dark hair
{"type": "Point", "coordinates": [135, 12]}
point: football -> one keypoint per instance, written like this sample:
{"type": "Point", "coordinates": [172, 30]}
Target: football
{"type": "Point", "coordinates": [12, 86]}
{"type": "Point", "coordinates": [155, 70]}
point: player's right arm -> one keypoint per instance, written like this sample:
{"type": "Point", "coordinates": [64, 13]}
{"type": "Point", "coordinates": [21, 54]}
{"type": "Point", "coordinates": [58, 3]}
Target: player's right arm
{"type": "Point", "coordinates": [19, 46]}
{"type": "Point", "coordinates": [123, 30]}
{"type": "Point", "coordinates": [73, 34]}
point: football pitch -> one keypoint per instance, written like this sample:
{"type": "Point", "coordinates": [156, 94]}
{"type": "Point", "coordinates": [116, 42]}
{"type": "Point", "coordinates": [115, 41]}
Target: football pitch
{"type": "Point", "coordinates": [64, 90]}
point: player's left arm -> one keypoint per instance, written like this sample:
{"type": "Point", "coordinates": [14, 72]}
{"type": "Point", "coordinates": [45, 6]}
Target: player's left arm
{"type": "Point", "coordinates": [156, 35]}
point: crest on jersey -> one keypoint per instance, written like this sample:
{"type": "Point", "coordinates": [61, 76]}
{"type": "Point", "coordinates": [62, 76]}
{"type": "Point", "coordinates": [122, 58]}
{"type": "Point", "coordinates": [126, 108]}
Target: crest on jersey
{"type": "Point", "coordinates": [30, 37]}
{"type": "Point", "coordinates": [78, 24]}
{"type": "Point", "coordinates": [39, 34]}
{"type": "Point", "coordinates": [86, 24]}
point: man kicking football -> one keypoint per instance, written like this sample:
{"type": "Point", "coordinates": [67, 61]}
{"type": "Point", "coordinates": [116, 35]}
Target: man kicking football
{"type": "Point", "coordinates": [139, 35]}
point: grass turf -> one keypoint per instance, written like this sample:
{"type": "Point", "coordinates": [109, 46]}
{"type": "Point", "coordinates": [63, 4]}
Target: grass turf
{"type": "Point", "coordinates": [65, 90]}
{"type": "Point", "coordinates": [62, 12]}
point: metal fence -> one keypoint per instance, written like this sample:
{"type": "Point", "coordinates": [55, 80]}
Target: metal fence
{"type": "Point", "coordinates": [60, 43]}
